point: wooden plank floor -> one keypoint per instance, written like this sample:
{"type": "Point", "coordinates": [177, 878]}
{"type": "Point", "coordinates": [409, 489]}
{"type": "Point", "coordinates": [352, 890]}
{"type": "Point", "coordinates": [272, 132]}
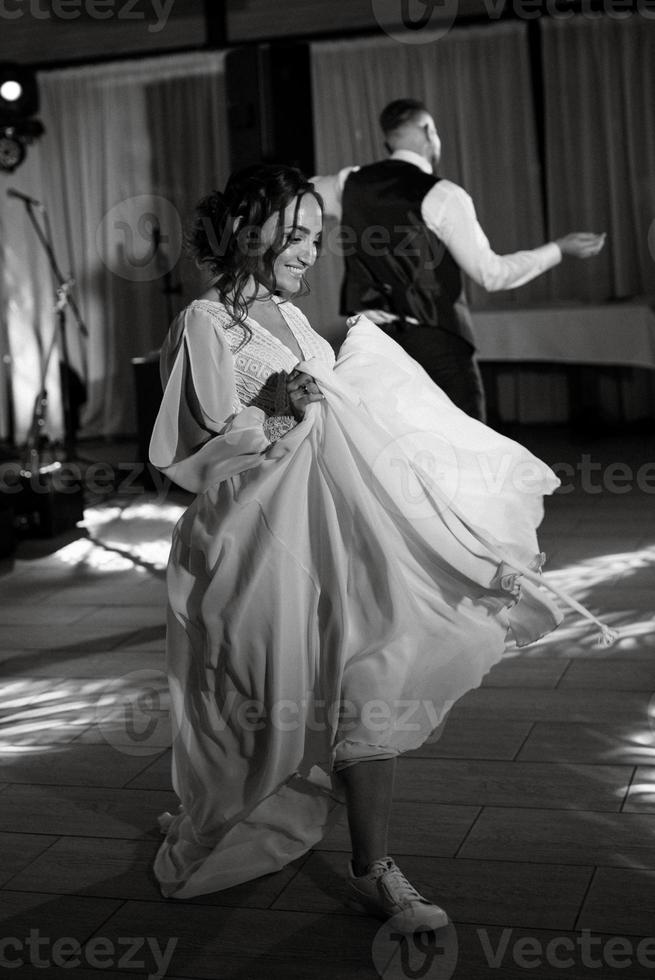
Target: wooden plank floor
{"type": "Point", "coordinates": [531, 820]}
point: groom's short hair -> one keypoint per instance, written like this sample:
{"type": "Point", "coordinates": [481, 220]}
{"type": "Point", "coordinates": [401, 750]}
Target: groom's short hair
{"type": "Point", "coordinates": [397, 113]}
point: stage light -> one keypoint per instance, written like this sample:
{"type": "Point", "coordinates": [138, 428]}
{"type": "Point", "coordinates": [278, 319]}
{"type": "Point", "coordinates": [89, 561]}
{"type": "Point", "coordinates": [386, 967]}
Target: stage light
{"type": "Point", "coordinates": [19, 92]}
{"type": "Point", "coordinates": [11, 91]}
{"type": "Point", "coordinates": [19, 103]}
{"type": "Point", "coordinates": [12, 150]}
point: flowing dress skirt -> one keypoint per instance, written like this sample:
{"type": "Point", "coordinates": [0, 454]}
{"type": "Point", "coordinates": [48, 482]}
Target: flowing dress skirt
{"type": "Point", "coordinates": [332, 603]}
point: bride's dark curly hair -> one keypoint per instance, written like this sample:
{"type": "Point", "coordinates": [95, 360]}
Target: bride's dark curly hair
{"type": "Point", "coordinates": [225, 237]}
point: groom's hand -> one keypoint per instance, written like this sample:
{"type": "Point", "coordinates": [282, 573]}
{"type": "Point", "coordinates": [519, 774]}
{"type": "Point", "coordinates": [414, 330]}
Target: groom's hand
{"type": "Point", "coordinates": [581, 244]}
{"type": "Point", "coordinates": [389, 322]}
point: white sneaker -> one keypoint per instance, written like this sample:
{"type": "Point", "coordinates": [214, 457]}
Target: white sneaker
{"type": "Point", "coordinates": [386, 893]}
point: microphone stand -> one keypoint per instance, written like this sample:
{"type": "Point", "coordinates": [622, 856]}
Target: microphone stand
{"type": "Point", "coordinates": [64, 300]}
{"type": "Point", "coordinates": [169, 288]}
{"type": "Point", "coordinates": [8, 446]}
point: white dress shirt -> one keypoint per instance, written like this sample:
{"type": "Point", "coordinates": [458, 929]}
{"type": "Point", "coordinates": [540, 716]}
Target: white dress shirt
{"type": "Point", "coordinates": [449, 212]}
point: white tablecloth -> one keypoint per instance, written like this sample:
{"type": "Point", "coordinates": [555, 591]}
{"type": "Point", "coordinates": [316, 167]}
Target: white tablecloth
{"type": "Point", "coordinates": [612, 333]}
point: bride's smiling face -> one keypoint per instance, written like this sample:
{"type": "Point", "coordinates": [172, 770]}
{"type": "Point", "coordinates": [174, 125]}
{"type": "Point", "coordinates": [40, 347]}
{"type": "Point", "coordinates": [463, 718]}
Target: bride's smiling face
{"type": "Point", "coordinates": [301, 227]}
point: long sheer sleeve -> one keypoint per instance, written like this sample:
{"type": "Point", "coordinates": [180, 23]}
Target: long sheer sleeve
{"type": "Point", "coordinates": [202, 435]}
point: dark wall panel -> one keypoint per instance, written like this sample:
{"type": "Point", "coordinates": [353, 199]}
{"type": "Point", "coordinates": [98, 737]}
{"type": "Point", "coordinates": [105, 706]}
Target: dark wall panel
{"type": "Point", "coordinates": [269, 105]}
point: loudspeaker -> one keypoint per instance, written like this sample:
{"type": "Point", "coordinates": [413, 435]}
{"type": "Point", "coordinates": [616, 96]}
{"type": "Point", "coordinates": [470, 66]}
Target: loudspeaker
{"type": "Point", "coordinates": [46, 505]}
{"type": "Point", "coordinates": [269, 101]}
{"type": "Point", "coordinates": [7, 535]}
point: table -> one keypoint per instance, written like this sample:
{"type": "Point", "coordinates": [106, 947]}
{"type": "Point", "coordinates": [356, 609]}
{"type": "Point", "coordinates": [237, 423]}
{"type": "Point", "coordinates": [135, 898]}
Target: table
{"type": "Point", "coordinates": [611, 333]}
{"type": "Point", "coordinates": [609, 336]}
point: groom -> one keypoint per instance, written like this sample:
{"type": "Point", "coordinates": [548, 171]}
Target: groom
{"type": "Point", "coordinates": [411, 236]}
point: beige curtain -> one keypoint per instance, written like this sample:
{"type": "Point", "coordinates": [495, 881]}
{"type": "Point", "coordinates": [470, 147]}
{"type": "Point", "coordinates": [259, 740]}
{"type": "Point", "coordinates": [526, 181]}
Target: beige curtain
{"type": "Point", "coordinates": [128, 146]}
{"type": "Point", "coordinates": [599, 80]}
{"type": "Point", "coordinates": [599, 84]}
{"type": "Point", "coordinates": [477, 83]}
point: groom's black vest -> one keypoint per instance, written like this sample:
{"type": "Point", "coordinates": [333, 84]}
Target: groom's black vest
{"type": "Point", "coordinates": [393, 261]}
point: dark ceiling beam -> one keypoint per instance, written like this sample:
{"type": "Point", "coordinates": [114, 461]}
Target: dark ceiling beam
{"type": "Point", "coordinates": [216, 23]}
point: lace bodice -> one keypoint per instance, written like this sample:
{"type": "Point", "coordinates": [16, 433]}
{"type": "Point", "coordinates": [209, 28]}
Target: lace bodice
{"type": "Point", "coordinates": [262, 362]}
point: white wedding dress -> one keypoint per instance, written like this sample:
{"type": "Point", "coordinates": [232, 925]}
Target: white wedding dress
{"type": "Point", "coordinates": [335, 586]}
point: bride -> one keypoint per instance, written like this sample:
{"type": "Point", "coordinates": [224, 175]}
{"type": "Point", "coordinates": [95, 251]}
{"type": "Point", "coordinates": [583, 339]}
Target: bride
{"type": "Point", "coordinates": [358, 554]}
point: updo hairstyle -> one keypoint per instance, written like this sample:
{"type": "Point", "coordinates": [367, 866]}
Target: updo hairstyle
{"type": "Point", "coordinates": [225, 237]}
